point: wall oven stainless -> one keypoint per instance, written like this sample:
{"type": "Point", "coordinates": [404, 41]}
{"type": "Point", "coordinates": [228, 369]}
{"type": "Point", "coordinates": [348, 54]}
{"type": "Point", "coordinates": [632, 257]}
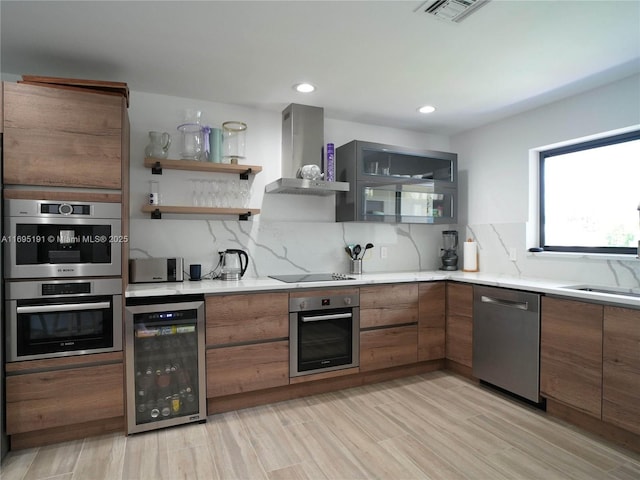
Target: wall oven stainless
{"type": "Point", "coordinates": [59, 318]}
{"type": "Point", "coordinates": [47, 238]}
{"type": "Point", "coordinates": [324, 332]}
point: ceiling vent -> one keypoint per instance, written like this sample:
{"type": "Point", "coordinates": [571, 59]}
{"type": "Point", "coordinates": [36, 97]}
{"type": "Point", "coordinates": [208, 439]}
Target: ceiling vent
{"type": "Point", "coordinates": [451, 10]}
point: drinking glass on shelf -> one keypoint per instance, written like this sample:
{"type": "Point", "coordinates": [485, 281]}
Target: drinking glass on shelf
{"type": "Point", "coordinates": [194, 192]}
{"type": "Point", "coordinates": [244, 193]}
{"type": "Point", "coordinates": [202, 192]}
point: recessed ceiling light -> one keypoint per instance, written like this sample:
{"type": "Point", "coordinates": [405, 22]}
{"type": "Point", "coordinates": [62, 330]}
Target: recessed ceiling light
{"type": "Point", "coordinates": [427, 109]}
{"type": "Point", "coordinates": [304, 87]}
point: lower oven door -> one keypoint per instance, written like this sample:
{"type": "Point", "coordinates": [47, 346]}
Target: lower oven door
{"type": "Point", "coordinates": [322, 341]}
{"type": "Point", "coordinates": [64, 326]}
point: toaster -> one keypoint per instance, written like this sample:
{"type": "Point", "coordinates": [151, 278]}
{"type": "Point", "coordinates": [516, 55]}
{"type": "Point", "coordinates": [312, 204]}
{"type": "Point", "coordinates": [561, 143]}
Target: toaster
{"type": "Point", "coordinates": [150, 270]}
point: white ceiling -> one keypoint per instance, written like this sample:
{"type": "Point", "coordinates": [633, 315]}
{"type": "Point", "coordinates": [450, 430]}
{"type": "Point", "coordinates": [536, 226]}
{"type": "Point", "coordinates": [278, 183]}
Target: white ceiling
{"type": "Point", "coordinates": [373, 61]}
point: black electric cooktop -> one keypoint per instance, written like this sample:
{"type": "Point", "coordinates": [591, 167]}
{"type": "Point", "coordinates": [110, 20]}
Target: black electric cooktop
{"type": "Point", "coordinates": [311, 277]}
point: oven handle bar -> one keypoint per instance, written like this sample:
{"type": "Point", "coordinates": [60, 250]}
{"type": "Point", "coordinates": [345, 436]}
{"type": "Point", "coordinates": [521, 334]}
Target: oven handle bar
{"type": "Point", "coordinates": [63, 308]}
{"type": "Point", "coordinates": [319, 318]}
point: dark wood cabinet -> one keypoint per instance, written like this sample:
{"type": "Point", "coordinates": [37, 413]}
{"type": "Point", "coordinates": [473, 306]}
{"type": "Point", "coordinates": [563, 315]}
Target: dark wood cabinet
{"type": "Point", "coordinates": [63, 137]}
{"type": "Point", "coordinates": [459, 324]}
{"type": "Point", "coordinates": [431, 320]}
{"type": "Point", "coordinates": [571, 354]}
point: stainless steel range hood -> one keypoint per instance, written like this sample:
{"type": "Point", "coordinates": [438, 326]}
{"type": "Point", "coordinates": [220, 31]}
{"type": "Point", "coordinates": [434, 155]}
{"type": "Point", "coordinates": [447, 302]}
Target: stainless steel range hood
{"type": "Point", "coordinates": [303, 144]}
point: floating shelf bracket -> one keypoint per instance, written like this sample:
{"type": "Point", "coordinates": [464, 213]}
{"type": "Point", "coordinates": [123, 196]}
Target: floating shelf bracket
{"type": "Point", "coordinates": [156, 169]}
{"type": "Point", "coordinates": [244, 216]}
{"type": "Point", "coordinates": [156, 214]}
{"type": "Point", "coordinates": [245, 175]}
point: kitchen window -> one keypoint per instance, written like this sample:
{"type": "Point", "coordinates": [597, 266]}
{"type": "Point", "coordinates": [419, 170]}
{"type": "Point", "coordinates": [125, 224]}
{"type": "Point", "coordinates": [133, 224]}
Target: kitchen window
{"type": "Point", "coordinates": [590, 196]}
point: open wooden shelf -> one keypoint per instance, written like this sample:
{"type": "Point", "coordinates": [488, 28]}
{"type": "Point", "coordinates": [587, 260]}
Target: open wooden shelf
{"type": "Point", "coordinates": [157, 164]}
{"type": "Point", "coordinates": [156, 211]}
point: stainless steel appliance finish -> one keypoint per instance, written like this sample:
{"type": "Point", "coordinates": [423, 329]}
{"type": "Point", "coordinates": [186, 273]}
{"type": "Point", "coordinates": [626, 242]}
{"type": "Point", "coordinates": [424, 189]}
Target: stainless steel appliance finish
{"type": "Point", "coordinates": [324, 333]}
{"type": "Point", "coordinates": [311, 277]}
{"type": "Point", "coordinates": [165, 362]}
{"type": "Point", "coordinates": [61, 318]}
{"type": "Point", "coordinates": [506, 340]}
{"type": "Point", "coordinates": [150, 270]}
{"type": "Point", "coordinates": [62, 239]}
{"type": "Point", "coordinates": [303, 144]}
{"type": "Point", "coordinates": [4, 439]}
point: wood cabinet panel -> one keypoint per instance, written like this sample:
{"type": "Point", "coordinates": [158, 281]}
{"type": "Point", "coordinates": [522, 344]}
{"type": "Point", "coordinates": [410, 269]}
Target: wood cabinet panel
{"type": "Point", "coordinates": [571, 354]}
{"type": "Point", "coordinates": [60, 137]}
{"type": "Point", "coordinates": [246, 318]}
{"type": "Point", "coordinates": [388, 305]}
{"type": "Point", "coordinates": [621, 368]}
{"type": "Point", "coordinates": [459, 324]}
{"type": "Point", "coordinates": [388, 347]}
{"type": "Point", "coordinates": [245, 368]}
{"type": "Point", "coordinates": [431, 320]}
{"type": "Point", "coordinates": [37, 401]}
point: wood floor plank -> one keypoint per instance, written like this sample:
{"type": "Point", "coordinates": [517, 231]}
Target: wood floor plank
{"type": "Point", "coordinates": [54, 460]}
{"type": "Point", "coordinates": [231, 449]}
{"type": "Point", "coordinates": [17, 463]}
{"type": "Point", "coordinates": [146, 457]}
{"type": "Point", "coordinates": [192, 463]}
{"type": "Point", "coordinates": [101, 458]}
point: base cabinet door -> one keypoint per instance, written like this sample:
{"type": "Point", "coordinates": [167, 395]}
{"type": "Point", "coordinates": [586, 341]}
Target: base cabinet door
{"type": "Point", "coordinates": [388, 347]}
{"type": "Point", "coordinates": [431, 321]}
{"type": "Point", "coordinates": [459, 324]}
{"type": "Point", "coordinates": [571, 354]}
{"type": "Point", "coordinates": [37, 401]}
{"type": "Point", "coordinates": [244, 368]}
{"type": "Point", "coordinates": [621, 368]}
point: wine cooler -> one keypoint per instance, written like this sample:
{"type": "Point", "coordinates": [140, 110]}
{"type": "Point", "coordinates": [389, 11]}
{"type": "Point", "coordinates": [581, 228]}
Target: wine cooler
{"type": "Point", "coordinates": [165, 362]}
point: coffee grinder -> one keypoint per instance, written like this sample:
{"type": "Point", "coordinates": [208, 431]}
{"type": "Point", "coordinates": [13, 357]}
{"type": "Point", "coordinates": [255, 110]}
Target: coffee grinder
{"type": "Point", "coordinates": [449, 253]}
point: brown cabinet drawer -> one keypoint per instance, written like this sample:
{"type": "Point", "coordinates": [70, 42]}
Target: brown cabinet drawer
{"type": "Point", "coordinates": [37, 401]}
{"type": "Point", "coordinates": [246, 318]}
{"type": "Point", "coordinates": [459, 324]}
{"type": "Point", "coordinates": [571, 353]}
{"type": "Point", "coordinates": [62, 137]}
{"type": "Point", "coordinates": [431, 321]}
{"type": "Point", "coordinates": [388, 347]}
{"type": "Point", "coordinates": [244, 368]}
{"type": "Point", "coordinates": [388, 305]}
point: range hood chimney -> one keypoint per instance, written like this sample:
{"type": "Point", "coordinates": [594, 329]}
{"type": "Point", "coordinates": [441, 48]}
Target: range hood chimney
{"type": "Point", "coordinates": [303, 144]}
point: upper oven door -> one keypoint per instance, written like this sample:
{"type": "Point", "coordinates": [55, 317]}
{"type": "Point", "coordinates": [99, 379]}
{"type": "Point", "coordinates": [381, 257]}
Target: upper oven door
{"type": "Point", "coordinates": [57, 239]}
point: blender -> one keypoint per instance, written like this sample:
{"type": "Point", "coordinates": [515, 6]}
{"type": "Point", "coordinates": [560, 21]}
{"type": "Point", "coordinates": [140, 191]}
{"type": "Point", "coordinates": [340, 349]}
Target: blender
{"type": "Point", "coordinates": [449, 253]}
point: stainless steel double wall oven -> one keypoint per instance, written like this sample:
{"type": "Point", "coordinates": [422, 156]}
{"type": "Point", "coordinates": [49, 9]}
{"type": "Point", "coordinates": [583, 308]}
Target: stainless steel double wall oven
{"type": "Point", "coordinates": [62, 263]}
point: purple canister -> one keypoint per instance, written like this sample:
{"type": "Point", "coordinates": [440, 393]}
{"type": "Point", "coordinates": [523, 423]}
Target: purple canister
{"type": "Point", "coordinates": [330, 167]}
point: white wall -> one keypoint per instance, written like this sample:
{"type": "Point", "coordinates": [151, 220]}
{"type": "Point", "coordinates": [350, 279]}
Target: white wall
{"type": "Point", "coordinates": [496, 180]}
{"type": "Point", "coordinates": [293, 233]}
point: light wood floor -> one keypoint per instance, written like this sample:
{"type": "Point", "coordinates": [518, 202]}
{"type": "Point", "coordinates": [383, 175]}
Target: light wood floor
{"type": "Point", "coordinates": [435, 425]}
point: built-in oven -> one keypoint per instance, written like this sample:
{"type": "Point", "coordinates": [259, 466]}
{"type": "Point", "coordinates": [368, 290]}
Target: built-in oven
{"type": "Point", "coordinates": [324, 331]}
{"type": "Point", "coordinates": [45, 238]}
{"type": "Point", "coordinates": [59, 318]}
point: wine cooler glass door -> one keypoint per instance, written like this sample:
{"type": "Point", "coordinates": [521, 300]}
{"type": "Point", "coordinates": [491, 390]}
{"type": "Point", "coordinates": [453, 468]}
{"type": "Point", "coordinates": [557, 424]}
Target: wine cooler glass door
{"type": "Point", "coordinates": [165, 365]}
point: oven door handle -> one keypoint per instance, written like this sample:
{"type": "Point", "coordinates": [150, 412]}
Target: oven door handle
{"type": "Point", "coordinates": [63, 307]}
{"type": "Point", "coordinates": [319, 318]}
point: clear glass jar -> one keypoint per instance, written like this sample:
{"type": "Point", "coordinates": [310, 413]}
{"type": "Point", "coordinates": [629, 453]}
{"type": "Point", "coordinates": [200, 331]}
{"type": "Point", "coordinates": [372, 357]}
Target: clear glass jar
{"type": "Point", "coordinates": [233, 141]}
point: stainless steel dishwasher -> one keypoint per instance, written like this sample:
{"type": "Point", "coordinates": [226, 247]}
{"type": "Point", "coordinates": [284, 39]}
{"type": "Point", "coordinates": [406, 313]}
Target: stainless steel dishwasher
{"type": "Point", "coordinates": [506, 340]}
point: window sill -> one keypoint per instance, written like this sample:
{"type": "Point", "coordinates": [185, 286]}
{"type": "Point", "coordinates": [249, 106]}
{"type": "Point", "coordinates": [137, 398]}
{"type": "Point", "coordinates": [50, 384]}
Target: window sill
{"type": "Point", "coordinates": [583, 256]}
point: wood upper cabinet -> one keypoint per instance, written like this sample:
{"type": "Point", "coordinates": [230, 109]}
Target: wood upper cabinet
{"type": "Point", "coordinates": [431, 320]}
{"type": "Point", "coordinates": [385, 305]}
{"type": "Point", "coordinates": [249, 335]}
{"type": "Point", "coordinates": [388, 323]}
{"type": "Point", "coordinates": [459, 323]}
{"type": "Point", "coordinates": [246, 318]}
{"type": "Point", "coordinates": [621, 368]}
{"type": "Point", "coordinates": [58, 398]}
{"type": "Point", "coordinates": [62, 137]}
{"type": "Point", "coordinates": [571, 354]}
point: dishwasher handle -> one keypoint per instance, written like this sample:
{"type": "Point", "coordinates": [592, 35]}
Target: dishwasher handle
{"type": "Point", "coordinates": [501, 302]}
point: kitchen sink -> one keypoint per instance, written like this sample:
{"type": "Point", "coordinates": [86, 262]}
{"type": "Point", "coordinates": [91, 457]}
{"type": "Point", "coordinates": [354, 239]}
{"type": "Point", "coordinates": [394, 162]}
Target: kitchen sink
{"type": "Point", "coordinates": [625, 292]}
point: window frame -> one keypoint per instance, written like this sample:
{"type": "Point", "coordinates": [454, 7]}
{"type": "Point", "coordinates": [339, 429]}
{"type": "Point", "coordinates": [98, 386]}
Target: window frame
{"type": "Point", "coordinates": [543, 155]}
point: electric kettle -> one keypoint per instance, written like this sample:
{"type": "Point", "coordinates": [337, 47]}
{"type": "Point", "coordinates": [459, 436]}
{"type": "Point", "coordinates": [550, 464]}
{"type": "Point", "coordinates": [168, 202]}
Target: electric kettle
{"type": "Point", "coordinates": [232, 264]}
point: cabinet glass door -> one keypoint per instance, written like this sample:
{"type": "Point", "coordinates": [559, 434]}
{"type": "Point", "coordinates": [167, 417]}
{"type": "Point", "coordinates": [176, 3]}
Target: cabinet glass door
{"type": "Point", "coordinates": [402, 203]}
{"type": "Point", "coordinates": [402, 165]}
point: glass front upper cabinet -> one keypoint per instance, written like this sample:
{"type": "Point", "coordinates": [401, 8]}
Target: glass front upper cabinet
{"type": "Point", "coordinates": [395, 184]}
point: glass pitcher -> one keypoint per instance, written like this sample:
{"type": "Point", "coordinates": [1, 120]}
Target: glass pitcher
{"type": "Point", "coordinates": [192, 136]}
{"type": "Point", "coordinates": [158, 146]}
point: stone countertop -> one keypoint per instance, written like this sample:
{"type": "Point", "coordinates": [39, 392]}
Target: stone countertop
{"type": "Point", "coordinates": [264, 284]}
